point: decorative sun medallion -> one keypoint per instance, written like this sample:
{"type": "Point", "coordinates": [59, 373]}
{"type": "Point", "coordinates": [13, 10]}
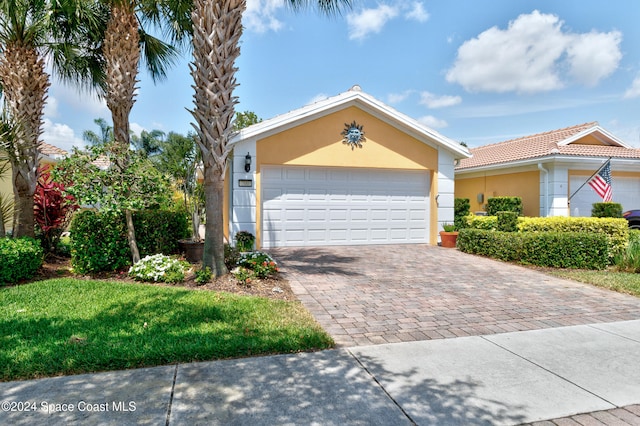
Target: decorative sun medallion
{"type": "Point", "coordinates": [353, 135]}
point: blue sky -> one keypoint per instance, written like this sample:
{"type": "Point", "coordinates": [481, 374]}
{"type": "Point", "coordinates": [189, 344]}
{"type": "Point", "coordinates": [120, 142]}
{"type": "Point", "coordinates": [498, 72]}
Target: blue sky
{"type": "Point", "coordinates": [476, 71]}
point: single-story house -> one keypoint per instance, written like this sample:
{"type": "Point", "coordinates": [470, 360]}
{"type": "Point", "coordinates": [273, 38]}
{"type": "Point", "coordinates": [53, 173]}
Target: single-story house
{"type": "Point", "coordinates": [549, 171]}
{"type": "Point", "coordinates": [345, 170]}
{"type": "Point", "coordinates": [49, 154]}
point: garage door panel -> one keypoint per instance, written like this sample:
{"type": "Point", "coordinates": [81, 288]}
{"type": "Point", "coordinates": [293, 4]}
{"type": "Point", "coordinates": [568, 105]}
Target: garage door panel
{"type": "Point", "coordinates": [323, 206]}
{"type": "Point", "coordinates": [626, 191]}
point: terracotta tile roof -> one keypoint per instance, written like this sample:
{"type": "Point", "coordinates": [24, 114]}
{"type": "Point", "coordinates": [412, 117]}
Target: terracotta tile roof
{"type": "Point", "coordinates": [543, 145]}
{"type": "Point", "coordinates": [52, 151]}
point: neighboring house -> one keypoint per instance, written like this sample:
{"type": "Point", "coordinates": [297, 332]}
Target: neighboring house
{"type": "Point", "coordinates": [546, 169]}
{"type": "Point", "coordinates": [310, 184]}
{"type": "Point", "coordinates": [49, 154]}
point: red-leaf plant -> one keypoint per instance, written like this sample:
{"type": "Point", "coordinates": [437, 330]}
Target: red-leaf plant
{"type": "Point", "coordinates": [52, 207]}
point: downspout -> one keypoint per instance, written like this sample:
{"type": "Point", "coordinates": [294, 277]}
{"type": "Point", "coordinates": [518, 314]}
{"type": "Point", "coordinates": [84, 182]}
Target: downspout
{"type": "Point", "coordinates": [546, 189]}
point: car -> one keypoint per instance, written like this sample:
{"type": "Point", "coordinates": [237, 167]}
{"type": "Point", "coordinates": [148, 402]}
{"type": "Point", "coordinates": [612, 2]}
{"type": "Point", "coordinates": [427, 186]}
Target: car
{"type": "Point", "coordinates": [633, 217]}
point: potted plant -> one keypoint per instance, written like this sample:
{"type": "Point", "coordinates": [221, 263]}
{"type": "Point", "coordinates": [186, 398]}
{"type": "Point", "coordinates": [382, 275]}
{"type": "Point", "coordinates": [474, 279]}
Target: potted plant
{"type": "Point", "coordinates": [180, 159]}
{"type": "Point", "coordinates": [448, 236]}
{"type": "Point", "coordinates": [244, 241]}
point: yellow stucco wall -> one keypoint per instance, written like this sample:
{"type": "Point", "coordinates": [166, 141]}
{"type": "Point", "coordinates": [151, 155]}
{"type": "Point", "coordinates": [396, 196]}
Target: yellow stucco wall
{"type": "Point", "coordinates": [524, 184]}
{"type": "Point", "coordinates": [319, 143]}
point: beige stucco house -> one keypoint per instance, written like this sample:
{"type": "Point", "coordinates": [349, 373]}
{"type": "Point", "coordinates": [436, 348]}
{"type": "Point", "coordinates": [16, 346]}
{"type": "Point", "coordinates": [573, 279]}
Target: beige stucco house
{"type": "Point", "coordinates": [547, 169]}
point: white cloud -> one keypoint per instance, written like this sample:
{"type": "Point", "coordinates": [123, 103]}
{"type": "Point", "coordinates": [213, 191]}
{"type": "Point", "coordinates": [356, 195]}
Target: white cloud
{"type": "Point", "coordinates": [86, 102]}
{"type": "Point", "coordinates": [594, 56]}
{"type": "Point", "coordinates": [317, 98]}
{"type": "Point", "coordinates": [60, 135]}
{"type": "Point", "coordinates": [136, 128]}
{"type": "Point", "coordinates": [369, 21]}
{"type": "Point", "coordinates": [634, 90]}
{"type": "Point", "coordinates": [417, 12]}
{"type": "Point", "coordinates": [433, 101]}
{"type": "Point", "coordinates": [433, 122]}
{"type": "Point", "coordinates": [51, 107]}
{"type": "Point", "coordinates": [395, 98]}
{"type": "Point", "coordinates": [260, 15]}
{"type": "Point", "coordinates": [530, 54]}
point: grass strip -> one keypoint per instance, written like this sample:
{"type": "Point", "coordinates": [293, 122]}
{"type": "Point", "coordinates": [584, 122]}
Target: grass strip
{"type": "Point", "coordinates": [70, 326]}
{"type": "Point", "coordinates": [623, 282]}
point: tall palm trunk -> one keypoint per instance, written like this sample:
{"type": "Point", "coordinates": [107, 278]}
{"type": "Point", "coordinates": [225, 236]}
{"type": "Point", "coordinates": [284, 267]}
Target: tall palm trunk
{"type": "Point", "coordinates": [122, 55]}
{"type": "Point", "coordinates": [217, 29]}
{"type": "Point", "coordinates": [25, 83]}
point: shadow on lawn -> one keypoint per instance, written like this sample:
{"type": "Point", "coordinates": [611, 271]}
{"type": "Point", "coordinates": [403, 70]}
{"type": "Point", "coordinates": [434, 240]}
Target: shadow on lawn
{"type": "Point", "coordinates": [155, 330]}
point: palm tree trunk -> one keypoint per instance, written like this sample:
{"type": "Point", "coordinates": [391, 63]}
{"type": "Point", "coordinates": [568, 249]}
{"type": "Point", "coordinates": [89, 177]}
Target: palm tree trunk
{"type": "Point", "coordinates": [122, 55]}
{"type": "Point", "coordinates": [25, 83]}
{"type": "Point", "coordinates": [217, 28]}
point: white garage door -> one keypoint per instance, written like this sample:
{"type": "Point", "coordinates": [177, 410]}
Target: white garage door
{"type": "Point", "coordinates": [626, 191]}
{"type": "Point", "coordinates": [314, 206]}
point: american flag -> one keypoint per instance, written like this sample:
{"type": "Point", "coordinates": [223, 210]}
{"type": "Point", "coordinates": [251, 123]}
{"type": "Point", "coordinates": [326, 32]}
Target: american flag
{"type": "Point", "coordinates": [601, 182]}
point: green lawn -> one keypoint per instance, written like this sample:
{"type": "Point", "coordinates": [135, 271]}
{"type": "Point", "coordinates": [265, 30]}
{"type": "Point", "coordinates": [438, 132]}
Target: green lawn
{"type": "Point", "coordinates": [70, 326]}
{"type": "Point", "coordinates": [623, 282]}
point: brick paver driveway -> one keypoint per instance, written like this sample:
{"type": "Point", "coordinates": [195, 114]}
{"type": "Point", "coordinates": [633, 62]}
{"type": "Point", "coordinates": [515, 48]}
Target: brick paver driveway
{"type": "Point", "coordinates": [366, 295]}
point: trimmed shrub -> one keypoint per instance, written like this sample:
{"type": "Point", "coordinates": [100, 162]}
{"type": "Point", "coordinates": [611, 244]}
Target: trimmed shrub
{"type": "Point", "coordinates": [158, 231]}
{"type": "Point", "coordinates": [461, 209]}
{"type": "Point", "coordinates": [565, 250]}
{"type": "Point", "coordinates": [21, 259]}
{"type": "Point", "coordinates": [616, 230]}
{"type": "Point", "coordinates": [606, 210]}
{"type": "Point", "coordinates": [488, 223]}
{"type": "Point", "coordinates": [498, 245]}
{"type": "Point", "coordinates": [550, 249]}
{"type": "Point", "coordinates": [99, 240]}
{"type": "Point", "coordinates": [504, 204]}
{"type": "Point", "coordinates": [507, 221]}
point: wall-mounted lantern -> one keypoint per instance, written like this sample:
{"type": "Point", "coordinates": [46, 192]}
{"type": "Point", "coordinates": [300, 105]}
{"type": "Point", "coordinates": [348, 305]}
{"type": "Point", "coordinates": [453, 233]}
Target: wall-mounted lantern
{"type": "Point", "coordinates": [247, 162]}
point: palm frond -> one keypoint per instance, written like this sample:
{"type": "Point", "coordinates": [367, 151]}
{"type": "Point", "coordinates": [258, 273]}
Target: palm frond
{"type": "Point", "coordinates": [328, 7]}
{"type": "Point", "coordinates": [157, 55]}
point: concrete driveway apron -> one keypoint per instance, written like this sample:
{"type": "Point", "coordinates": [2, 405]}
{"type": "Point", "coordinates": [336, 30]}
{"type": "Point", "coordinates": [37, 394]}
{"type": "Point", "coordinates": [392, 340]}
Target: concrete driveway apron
{"type": "Point", "coordinates": [365, 295]}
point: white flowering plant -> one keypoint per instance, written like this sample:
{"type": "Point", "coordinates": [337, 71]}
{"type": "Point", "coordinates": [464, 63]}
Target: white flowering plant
{"type": "Point", "coordinates": [159, 268]}
{"type": "Point", "coordinates": [260, 264]}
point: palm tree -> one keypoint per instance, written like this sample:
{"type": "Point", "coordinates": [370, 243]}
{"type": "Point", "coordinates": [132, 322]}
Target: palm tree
{"type": "Point", "coordinates": [30, 32]}
{"type": "Point", "coordinates": [217, 28]}
{"type": "Point", "coordinates": [125, 41]}
{"type": "Point", "coordinates": [103, 137]}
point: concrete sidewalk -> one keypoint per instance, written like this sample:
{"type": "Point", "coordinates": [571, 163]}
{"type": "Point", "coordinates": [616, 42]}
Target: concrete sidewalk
{"type": "Point", "coordinates": [508, 378]}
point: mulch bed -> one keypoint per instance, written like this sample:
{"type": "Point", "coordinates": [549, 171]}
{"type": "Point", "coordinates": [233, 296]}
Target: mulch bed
{"type": "Point", "coordinates": [275, 288]}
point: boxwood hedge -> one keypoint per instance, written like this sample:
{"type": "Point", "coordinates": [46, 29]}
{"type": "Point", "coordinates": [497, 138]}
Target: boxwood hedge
{"type": "Point", "coordinates": [99, 241]}
{"type": "Point", "coordinates": [551, 249]}
{"type": "Point", "coordinates": [21, 259]}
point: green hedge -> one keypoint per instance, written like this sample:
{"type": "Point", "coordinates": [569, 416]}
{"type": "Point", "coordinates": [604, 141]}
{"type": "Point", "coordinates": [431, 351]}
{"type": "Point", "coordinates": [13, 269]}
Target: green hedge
{"type": "Point", "coordinates": [606, 210]}
{"type": "Point", "coordinates": [504, 204]}
{"type": "Point", "coordinates": [158, 231]}
{"type": "Point", "coordinates": [507, 221]}
{"type": "Point", "coordinates": [461, 209]}
{"type": "Point", "coordinates": [21, 259]}
{"type": "Point", "coordinates": [99, 241]}
{"type": "Point", "coordinates": [488, 223]}
{"type": "Point", "coordinates": [616, 230]}
{"type": "Point", "coordinates": [550, 249]}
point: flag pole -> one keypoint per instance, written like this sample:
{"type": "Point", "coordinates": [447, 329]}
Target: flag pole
{"type": "Point", "coordinates": [587, 181]}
